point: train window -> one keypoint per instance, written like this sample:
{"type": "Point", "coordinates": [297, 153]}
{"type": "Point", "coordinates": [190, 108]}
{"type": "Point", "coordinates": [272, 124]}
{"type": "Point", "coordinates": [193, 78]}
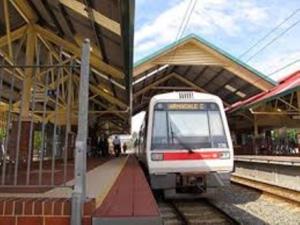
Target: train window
{"type": "Point", "coordinates": [216, 125]}
{"type": "Point", "coordinates": [181, 125]}
{"type": "Point", "coordinates": [187, 125]}
{"type": "Point", "coordinates": [160, 134]}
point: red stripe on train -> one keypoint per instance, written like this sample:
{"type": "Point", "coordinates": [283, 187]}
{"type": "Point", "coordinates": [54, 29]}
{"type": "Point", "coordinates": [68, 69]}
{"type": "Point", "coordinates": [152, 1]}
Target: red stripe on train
{"type": "Point", "coordinates": [190, 156]}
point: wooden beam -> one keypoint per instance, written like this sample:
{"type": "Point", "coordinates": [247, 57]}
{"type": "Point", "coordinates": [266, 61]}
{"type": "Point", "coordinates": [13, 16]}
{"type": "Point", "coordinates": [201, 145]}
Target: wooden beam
{"type": "Point", "coordinates": [15, 35]}
{"type": "Point", "coordinates": [25, 10]}
{"type": "Point", "coordinates": [275, 113]}
{"type": "Point", "coordinates": [108, 97]}
{"type": "Point", "coordinates": [173, 88]}
{"type": "Point", "coordinates": [190, 83]}
{"type": "Point", "coordinates": [216, 76]}
{"type": "Point", "coordinates": [145, 89]}
{"type": "Point", "coordinates": [7, 26]}
{"type": "Point", "coordinates": [99, 18]}
{"type": "Point", "coordinates": [29, 60]}
{"type": "Point", "coordinates": [20, 73]}
{"type": "Point", "coordinates": [288, 104]}
{"type": "Point", "coordinates": [76, 51]}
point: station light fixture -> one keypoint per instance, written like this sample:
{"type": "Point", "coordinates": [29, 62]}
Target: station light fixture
{"type": "Point", "coordinates": [233, 89]}
{"type": "Point", "coordinates": [241, 94]}
{"type": "Point", "coordinates": [230, 88]}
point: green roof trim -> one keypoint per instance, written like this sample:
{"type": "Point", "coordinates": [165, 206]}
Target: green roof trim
{"type": "Point", "coordinates": [210, 45]}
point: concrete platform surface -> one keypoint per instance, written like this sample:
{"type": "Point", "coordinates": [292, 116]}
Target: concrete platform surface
{"type": "Point", "coordinates": [130, 200]}
{"type": "Point", "coordinates": [282, 160]}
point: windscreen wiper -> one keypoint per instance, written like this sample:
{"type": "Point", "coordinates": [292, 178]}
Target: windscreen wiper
{"type": "Point", "coordinates": [190, 150]}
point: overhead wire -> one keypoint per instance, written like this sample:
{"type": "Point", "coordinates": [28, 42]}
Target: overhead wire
{"type": "Point", "coordinates": [270, 32]}
{"type": "Point", "coordinates": [273, 40]}
{"type": "Point", "coordinates": [187, 17]}
{"type": "Point", "coordinates": [184, 24]}
{"type": "Point", "coordinates": [270, 42]}
{"type": "Point", "coordinates": [185, 21]}
{"type": "Point", "coordinates": [284, 67]}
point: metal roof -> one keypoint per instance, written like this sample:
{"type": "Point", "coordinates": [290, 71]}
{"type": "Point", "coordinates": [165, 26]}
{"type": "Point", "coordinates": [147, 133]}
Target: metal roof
{"type": "Point", "coordinates": [195, 64]}
{"type": "Point", "coordinates": [287, 85]}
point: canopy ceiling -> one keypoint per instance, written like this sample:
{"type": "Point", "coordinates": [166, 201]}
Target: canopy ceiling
{"type": "Point", "coordinates": [60, 26]}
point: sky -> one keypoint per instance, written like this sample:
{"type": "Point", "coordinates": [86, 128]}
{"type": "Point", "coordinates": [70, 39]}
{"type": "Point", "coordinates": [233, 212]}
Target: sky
{"type": "Point", "coordinates": [232, 25]}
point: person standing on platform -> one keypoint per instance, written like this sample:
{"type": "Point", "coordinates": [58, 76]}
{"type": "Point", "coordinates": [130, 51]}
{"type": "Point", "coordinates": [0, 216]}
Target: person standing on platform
{"type": "Point", "coordinates": [106, 146]}
{"type": "Point", "coordinates": [117, 146]}
{"type": "Point", "coordinates": [124, 147]}
{"type": "Point", "coordinates": [101, 146]}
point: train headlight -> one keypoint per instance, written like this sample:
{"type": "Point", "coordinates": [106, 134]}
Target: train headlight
{"type": "Point", "coordinates": [157, 156]}
{"type": "Point", "coordinates": [224, 155]}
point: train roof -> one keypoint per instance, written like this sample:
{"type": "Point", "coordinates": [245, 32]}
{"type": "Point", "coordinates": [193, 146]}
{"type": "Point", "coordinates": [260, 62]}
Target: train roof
{"type": "Point", "coordinates": [185, 95]}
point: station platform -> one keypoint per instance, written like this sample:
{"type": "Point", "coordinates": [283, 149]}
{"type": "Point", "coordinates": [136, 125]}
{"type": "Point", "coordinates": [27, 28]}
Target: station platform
{"type": "Point", "coordinates": [278, 175]}
{"type": "Point", "coordinates": [117, 193]}
{"type": "Point", "coordinates": [130, 200]}
{"type": "Point", "coordinates": [281, 160]}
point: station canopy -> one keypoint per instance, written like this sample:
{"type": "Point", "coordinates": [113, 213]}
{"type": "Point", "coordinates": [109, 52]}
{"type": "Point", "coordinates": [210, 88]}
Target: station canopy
{"type": "Point", "coordinates": [274, 108]}
{"type": "Point", "coordinates": [56, 29]}
{"type": "Point", "coordinates": [192, 63]}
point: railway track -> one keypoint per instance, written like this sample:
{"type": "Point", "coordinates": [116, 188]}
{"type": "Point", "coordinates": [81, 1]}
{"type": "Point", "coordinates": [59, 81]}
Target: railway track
{"type": "Point", "coordinates": [192, 212]}
{"type": "Point", "coordinates": [288, 195]}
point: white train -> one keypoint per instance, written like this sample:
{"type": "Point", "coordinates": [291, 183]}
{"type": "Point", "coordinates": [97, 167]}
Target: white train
{"type": "Point", "coordinates": [185, 143]}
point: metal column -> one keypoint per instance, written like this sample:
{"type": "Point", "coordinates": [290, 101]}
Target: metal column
{"type": "Point", "coordinates": [79, 192]}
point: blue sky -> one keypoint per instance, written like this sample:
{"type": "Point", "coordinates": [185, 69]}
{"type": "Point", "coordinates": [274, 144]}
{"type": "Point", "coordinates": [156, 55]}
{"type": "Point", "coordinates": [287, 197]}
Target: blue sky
{"type": "Point", "coordinates": [233, 25]}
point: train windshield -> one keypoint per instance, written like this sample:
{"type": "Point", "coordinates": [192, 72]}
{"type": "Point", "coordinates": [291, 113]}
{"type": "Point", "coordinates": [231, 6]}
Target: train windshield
{"type": "Point", "coordinates": [187, 126]}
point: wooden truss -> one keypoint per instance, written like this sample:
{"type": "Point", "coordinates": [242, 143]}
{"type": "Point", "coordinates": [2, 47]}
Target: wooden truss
{"type": "Point", "coordinates": [47, 54]}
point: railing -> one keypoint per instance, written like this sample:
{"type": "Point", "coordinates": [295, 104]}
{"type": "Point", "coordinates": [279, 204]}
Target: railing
{"type": "Point", "coordinates": [36, 134]}
{"type": "Point", "coordinates": [43, 105]}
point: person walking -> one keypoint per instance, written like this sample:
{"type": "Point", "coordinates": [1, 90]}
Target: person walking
{"type": "Point", "coordinates": [117, 146]}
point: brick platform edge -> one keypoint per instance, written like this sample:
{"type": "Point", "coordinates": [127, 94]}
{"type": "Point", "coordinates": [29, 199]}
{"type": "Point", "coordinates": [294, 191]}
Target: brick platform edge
{"type": "Point", "coordinates": [41, 211]}
{"type": "Point", "coordinates": [130, 200]}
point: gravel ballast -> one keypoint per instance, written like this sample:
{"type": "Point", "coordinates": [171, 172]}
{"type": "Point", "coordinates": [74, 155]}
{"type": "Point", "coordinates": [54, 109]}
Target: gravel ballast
{"type": "Point", "coordinates": [249, 206]}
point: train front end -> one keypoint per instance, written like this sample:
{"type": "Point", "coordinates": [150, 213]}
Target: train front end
{"type": "Point", "coordinates": [189, 148]}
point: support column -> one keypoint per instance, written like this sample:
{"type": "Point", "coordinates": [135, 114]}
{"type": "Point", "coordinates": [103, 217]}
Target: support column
{"type": "Point", "coordinates": [255, 139]}
{"type": "Point", "coordinates": [79, 192]}
{"type": "Point", "coordinates": [26, 94]}
{"type": "Point", "coordinates": [298, 99]}
{"type": "Point", "coordinates": [298, 105]}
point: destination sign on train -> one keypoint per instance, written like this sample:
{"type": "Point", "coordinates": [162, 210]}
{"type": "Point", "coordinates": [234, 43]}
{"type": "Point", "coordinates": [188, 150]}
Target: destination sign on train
{"type": "Point", "coordinates": [186, 106]}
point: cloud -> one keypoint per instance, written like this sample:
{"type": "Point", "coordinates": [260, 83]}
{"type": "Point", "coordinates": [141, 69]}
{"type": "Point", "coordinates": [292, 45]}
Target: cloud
{"type": "Point", "coordinates": [210, 17]}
